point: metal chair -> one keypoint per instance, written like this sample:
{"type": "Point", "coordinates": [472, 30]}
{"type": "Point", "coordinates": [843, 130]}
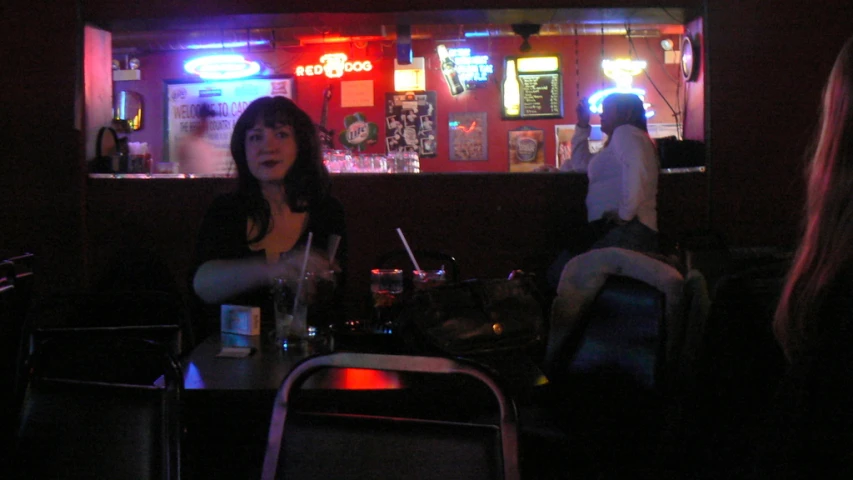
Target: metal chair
{"type": "Point", "coordinates": [16, 287]}
{"type": "Point", "coordinates": [92, 410]}
{"type": "Point", "coordinates": [385, 440]}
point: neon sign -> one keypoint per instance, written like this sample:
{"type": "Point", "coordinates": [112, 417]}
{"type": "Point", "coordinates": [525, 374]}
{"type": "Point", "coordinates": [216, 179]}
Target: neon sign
{"type": "Point", "coordinates": [222, 67]}
{"type": "Point", "coordinates": [471, 68]}
{"type": "Point", "coordinates": [622, 71]}
{"type": "Point", "coordinates": [333, 65]}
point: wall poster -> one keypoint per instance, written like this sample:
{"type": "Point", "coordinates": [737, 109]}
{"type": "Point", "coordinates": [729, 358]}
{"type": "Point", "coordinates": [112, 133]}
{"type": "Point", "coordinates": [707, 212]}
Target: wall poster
{"type": "Point", "coordinates": [526, 149]}
{"type": "Point", "coordinates": [564, 141]}
{"type": "Point", "coordinates": [227, 98]}
{"type": "Point", "coordinates": [410, 123]}
{"type": "Point", "coordinates": [597, 138]}
{"type": "Point", "coordinates": [468, 136]}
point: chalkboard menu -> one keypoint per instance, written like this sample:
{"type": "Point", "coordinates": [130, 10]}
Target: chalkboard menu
{"type": "Point", "coordinates": [541, 95]}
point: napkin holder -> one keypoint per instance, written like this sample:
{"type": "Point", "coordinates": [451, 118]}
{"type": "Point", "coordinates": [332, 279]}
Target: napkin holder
{"type": "Point", "coordinates": [240, 320]}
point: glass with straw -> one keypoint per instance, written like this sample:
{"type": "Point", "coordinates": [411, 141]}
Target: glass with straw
{"type": "Point", "coordinates": [422, 279]}
{"type": "Point", "coordinates": [324, 309]}
{"type": "Point", "coordinates": [291, 306]}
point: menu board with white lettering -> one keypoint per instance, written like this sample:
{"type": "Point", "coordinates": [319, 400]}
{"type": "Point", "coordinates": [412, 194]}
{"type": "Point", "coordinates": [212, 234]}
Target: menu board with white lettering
{"type": "Point", "coordinates": [227, 99]}
{"type": "Point", "coordinates": [541, 95]}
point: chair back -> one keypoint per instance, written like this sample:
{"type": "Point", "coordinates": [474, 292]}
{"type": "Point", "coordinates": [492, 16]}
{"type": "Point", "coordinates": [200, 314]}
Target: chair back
{"type": "Point", "coordinates": [621, 332]}
{"type": "Point", "coordinates": [157, 315]}
{"type": "Point", "coordinates": [387, 440]}
{"type": "Point", "coordinates": [94, 409]}
{"type": "Point", "coordinates": [16, 287]}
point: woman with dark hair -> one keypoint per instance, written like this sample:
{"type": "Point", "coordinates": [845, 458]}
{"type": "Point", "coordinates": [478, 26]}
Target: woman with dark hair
{"type": "Point", "coordinates": [621, 200]}
{"type": "Point", "coordinates": [282, 195]}
{"type": "Point", "coordinates": [812, 429]}
{"type": "Point", "coordinates": [623, 175]}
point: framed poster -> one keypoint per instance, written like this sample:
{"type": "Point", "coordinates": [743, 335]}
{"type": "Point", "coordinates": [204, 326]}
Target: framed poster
{"type": "Point", "coordinates": [538, 82]}
{"type": "Point", "coordinates": [227, 98]}
{"type": "Point", "coordinates": [564, 135]}
{"type": "Point", "coordinates": [410, 123]}
{"type": "Point", "coordinates": [468, 136]}
{"type": "Point", "coordinates": [526, 149]}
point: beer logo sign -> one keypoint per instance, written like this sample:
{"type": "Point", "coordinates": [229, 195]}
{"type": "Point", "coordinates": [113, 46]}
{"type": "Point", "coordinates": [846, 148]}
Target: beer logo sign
{"type": "Point", "coordinates": [358, 132]}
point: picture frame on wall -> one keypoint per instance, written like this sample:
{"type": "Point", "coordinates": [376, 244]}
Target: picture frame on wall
{"type": "Point", "coordinates": [468, 136]}
{"type": "Point", "coordinates": [526, 147]}
{"type": "Point", "coordinates": [410, 123]}
{"type": "Point", "coordinates": [227, 99]}
{"type": "Point", "coordinates": [564, 133]}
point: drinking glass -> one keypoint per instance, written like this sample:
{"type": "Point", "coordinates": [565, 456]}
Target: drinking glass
{"type": "Point", "coordinates": [324, 310]}
{"type": "Point", "coordinates": [386, 285]}
{"type": "Point", "coordinates": [291, 316]}
{"type": "Point", "coordinates": [425, 279]}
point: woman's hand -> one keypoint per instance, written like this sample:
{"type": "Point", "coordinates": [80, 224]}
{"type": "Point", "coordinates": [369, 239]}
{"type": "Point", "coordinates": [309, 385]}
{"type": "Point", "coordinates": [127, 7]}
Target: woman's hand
{"type": "Point", "coordinates": [583, 113]}
{"type": "Point", "coordinates": [290, 264]}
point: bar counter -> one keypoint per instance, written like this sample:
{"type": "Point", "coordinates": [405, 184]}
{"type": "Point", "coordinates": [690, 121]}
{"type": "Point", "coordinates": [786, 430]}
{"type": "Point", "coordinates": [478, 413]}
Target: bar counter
{"type": "Point", "coordinates": [491, 222]}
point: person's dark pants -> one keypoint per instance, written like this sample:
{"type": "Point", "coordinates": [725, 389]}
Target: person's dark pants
{"type": "Point", "coordinates": [602, 233]}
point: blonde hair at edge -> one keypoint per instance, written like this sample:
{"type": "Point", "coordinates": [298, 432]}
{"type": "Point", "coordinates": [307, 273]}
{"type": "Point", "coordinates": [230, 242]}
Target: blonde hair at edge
{"type": "Point", "coordinates": [825, 250]}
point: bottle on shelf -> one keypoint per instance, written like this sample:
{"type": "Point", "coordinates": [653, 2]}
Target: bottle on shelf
{"type": "Point", "coordinates": [511, 91]}
{"type": "Point", "coordinates": [448, 69]}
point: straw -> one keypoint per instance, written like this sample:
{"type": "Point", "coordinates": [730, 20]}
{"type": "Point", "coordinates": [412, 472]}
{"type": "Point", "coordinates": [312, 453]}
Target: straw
{"type": "Point", "coordinates": [334, 242]}
{"type": "Point", "coordinates": [302, 271]}
{"type": "Point", "coordinates": [406, 244]}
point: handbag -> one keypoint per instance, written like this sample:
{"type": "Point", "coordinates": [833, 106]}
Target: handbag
{"type": "Point", "coordinates": [474, 317]}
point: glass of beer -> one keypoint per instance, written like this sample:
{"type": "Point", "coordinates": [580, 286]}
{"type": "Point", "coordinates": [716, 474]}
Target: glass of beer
{"type": "Point", "coordinates": [386, 285]}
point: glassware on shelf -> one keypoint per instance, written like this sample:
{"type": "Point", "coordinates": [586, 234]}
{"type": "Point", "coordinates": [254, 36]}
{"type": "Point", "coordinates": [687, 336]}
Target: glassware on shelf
{"type": "Point", "coordinates": [338, 161]}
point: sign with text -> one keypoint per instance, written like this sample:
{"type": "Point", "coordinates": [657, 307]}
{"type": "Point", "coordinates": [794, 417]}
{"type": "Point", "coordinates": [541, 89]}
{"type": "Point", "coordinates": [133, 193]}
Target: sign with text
{"type": "Point", "coordinates": [227, 99]}
{"type": "Point", "coordinates": [540, 86]}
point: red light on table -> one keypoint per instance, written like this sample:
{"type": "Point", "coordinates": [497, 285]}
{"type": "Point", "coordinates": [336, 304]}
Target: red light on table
{"type": "Point", "coordinates": [354, 379]}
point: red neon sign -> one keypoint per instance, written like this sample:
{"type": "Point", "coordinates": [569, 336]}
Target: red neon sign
{"type": "Point", "coordinates": [333, 65]}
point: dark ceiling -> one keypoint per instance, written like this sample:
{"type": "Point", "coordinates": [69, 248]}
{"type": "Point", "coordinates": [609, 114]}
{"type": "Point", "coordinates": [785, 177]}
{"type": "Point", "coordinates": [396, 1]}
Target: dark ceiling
{"type": "Point", "coordinates": [285, 30]}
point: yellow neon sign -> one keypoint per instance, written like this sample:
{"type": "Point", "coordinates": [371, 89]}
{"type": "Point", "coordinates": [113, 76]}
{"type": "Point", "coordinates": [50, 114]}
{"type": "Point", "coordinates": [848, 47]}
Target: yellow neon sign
{"type": "Point", "coordinates": [333, 65]}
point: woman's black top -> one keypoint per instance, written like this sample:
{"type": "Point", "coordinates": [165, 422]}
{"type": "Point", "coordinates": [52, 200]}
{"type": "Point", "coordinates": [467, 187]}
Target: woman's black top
{"type": "Point", "coordinates": [222, 236]}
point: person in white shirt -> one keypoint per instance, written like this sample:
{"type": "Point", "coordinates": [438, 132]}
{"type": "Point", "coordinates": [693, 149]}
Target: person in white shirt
{"type": "Point", "coordinates": [195, 154]}
{"type": "Point", "coordinates": [621, 201]}
{"type": "Point", "coordinates": [623, 175]}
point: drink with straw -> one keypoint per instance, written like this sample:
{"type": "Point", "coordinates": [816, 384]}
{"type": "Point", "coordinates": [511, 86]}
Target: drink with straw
{"type": "Point", "coordinates": [291, 306]}
{"type": "Point", "coordinates": [386, 286]}
{"type": "Point", "coordinates": [426, 279]}
{"type": "Point", "coordinates": [291, 329]}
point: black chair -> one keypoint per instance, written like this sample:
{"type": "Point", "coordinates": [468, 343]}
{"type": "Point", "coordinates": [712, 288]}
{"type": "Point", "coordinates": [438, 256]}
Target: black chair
{"type": "Point", "coordinates": [100, 406]}
{"type": "Point", "coordinates": [427, 260]}
{"type": "Point", "coordinates": [609, 370]}
{"type": "Point", "coordinates": [385, 439]}
{"type": "Point", "coordinates": [156, 315]}
{"type": "Point", "coordinates": [7, 319]}
{"type": "Point", "coordinates": [16, 287]}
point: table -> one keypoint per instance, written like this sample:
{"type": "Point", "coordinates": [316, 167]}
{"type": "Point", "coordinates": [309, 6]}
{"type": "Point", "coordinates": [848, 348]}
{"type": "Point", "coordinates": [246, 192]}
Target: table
{"type": "Point", "coordinates": [228, 401]}
{"type": "Point", "coordinates": [263, 370]}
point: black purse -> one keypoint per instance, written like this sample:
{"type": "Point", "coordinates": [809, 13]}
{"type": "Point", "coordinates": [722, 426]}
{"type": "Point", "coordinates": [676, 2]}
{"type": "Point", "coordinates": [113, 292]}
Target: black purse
{"type": "Point", "coordinates": [474, 317]}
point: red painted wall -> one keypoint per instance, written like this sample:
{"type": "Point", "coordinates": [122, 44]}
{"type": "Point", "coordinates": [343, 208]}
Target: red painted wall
{"type": "Point", "coordinates": [309, 90]}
